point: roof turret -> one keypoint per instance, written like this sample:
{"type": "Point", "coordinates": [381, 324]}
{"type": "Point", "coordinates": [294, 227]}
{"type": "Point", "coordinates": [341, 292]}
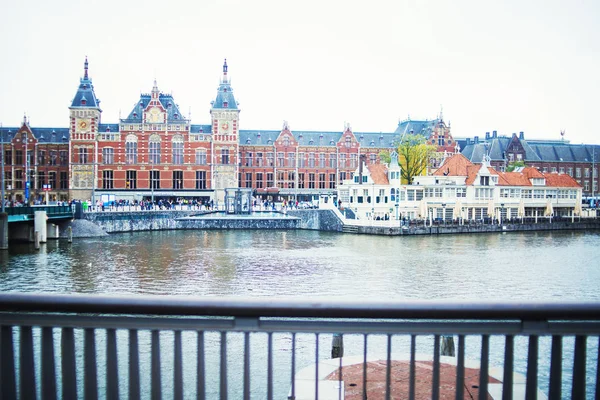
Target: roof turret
{"type": "Point", "coordinates": [85, 96]}
{"type": "Point", "coordinates": [225, 99]}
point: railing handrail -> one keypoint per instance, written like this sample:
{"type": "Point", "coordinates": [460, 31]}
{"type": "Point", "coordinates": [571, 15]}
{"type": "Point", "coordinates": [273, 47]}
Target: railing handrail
{"type": "Point", "coordinates": [298, 308]}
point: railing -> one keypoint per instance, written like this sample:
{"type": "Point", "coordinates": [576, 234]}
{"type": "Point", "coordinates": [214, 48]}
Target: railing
{"type": "Point", "coordinates": [50, 210]}
{"type": "Point", "coordinates": [166, 346]}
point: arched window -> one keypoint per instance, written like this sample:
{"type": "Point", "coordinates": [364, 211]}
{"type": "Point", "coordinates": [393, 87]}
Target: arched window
{"type": "Point", "coordinates": [154, 149]}
{"type": "Point", "coordinates": [131, 149]}
{"type": "Point", "coordinates": [177, 149]}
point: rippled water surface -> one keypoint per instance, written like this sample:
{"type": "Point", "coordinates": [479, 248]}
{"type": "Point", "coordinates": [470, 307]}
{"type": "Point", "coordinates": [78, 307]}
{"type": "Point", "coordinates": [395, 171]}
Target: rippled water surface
{"type": "Point", "coordinates": [527, 266]}
{"type": "Point", "coordinates": [517, 266]}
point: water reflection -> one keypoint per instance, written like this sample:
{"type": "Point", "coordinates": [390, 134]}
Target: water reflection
{"type": "Point", "coordinates": [527, 266]}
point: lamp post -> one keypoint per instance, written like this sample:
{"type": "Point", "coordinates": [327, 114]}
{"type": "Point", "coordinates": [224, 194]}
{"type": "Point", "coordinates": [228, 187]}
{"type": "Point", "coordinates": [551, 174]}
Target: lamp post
{"type": "Point", "coordinates": [26, 172]}
{"type": "Point", "coordinates": [501, 209]}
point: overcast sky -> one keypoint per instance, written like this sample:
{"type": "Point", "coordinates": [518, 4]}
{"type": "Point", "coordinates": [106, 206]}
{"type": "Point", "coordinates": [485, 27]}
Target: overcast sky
{"type": "Point", "coordinates": [510, 66]}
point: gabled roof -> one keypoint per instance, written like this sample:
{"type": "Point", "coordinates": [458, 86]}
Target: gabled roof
{"type": "Point", "coordinates": [166, 101]}
{"type": "Point", "coordinates": [103, 128]}
{"type": "Point", "coordinates": [318, 138]}
{"type": "Point", "coordinates": [378, 174]}
{"type": "Point", "coordinates": [377, 140]}
{"type": "Point", "coordinates": [531, 172]}
{"type": "Point", "coordinates": [206, 129]}
{"type": "Point", "coordinates": [535, 150]}
{"type": "Point", "coordinates": [415, 127]}
{"type": "Point", "coordinates": [85, 96]}
{"type": "Point", "coordinates": [514, 179]}
{"type": "Point", "coordinates": [560, 180]}
{"type": "Point", "coordinates": [456, 165]}
{"type": "Point", "coordinates": [43, 135]}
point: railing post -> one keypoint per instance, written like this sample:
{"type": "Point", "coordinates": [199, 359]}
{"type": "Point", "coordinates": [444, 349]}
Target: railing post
{"type": "Point", "coordinates": [3, 231]}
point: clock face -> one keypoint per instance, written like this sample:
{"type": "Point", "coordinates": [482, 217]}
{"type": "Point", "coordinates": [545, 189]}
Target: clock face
{"type": "Point", "coordinates": [225, 126]}
{"type": "Point", "coordinates": [155, 114]}
{"type": "Point", "coordinates": [83, 125]}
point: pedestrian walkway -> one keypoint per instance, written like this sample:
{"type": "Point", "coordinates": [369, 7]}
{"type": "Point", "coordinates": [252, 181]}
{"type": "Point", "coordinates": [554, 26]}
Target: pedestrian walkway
{"type": "Point", "coordinates": [351, 387]}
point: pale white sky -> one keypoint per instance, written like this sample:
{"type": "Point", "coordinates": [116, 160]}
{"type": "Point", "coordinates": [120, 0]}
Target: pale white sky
{"type": "Point", "coordinates": [510, 66]}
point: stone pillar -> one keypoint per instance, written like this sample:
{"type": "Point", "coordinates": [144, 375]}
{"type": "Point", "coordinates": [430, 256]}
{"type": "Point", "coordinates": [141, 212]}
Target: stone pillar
{"type": "Point", "coordinates": [337, 346]}
{"type": "Point", "coordinates": [52, 231]}
{"type": "Point", "coordinates": [3, 231]}
{"type": "Point", "coordinates": [39, 222]}
{"type": "Point", "coordinates": [447, 347]}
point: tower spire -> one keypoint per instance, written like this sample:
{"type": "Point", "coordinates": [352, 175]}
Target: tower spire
{"type": "Point", "coordinates": [85, 68]}
{"type": "Point", "coordinates": [225, 71]}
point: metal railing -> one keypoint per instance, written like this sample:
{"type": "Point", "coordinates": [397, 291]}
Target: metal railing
{"type": "Point", "coordinates": [164, 346]}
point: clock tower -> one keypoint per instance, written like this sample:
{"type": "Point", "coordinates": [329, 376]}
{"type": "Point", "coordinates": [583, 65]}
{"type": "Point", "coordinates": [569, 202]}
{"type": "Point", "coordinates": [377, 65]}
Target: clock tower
{"type": "Point", "coordinates": [225, 139]}
{"type": "Point", "coordinates": [83, 128]}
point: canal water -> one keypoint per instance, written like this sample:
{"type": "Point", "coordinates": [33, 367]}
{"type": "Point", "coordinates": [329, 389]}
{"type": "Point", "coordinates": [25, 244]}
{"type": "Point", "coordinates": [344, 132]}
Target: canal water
{"type": "Point", "coordinates": [539, 266]}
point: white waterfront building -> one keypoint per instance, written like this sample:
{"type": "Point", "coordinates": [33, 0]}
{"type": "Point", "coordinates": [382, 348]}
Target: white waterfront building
{"type": "Point", "coordinates": [460, 190]}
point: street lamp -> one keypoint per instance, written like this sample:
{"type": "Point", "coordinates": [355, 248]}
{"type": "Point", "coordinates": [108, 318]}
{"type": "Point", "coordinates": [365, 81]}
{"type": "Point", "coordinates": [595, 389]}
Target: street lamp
{"type": "Point", "coordinates": [501, 209]}
{"type": "Point", "coordinates": [26, 171]}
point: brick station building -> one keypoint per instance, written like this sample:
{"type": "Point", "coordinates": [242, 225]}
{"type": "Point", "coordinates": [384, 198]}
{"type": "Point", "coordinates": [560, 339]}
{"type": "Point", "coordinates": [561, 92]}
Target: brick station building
{"type": "Point", "coordinates": [156, 152]}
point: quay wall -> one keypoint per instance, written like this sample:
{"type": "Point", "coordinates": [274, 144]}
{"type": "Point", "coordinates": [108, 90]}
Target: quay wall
{"type": "Point", "coordinates": [102, 223]}
{"type": "Point", "coordinates": [461, 229]}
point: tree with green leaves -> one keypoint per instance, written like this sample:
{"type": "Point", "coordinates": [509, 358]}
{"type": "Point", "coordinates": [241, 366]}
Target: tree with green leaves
{"type": "Point", "coordinates": [514, 165]}
{"type": "Point", "coordinates": [413, 157]}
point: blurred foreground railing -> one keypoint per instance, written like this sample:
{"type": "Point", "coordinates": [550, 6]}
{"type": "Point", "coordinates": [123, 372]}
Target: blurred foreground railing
{"type": "Point", "coordinates": [48, 345]}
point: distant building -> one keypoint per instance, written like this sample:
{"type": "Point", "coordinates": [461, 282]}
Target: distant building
{"type": "Point", "coordinates": [156, 152]}
{"type": "Point", "coordinates": [579, 161]}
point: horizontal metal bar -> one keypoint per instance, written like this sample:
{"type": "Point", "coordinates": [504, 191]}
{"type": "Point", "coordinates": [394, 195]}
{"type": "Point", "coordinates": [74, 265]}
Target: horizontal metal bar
{"type": "Point", "coordinates": [285, 307]}
{"type": "Point", "coordinates": [298, 325]}
{"type": "Point", "coordinates": [107, 322]}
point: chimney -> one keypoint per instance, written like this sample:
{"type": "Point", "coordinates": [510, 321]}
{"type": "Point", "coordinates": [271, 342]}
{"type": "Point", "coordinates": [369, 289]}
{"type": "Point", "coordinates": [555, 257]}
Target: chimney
{"type": "Point", "coordinates": [487, 136]}
{"type": "Point", "coordinates": [495, 134]}
{"type": "Point", "coordinates": [468, 141]}
{"type": "Point", "coordinates": [521, 135]}
{"type": "Point", "coordinates": [476, 139]}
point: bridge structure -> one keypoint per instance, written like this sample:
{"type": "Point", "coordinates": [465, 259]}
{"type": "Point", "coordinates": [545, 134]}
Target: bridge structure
{"type": "Point", "coordinates": [21, 223]}
{"type": "Point", "coordinates": [27, 214]}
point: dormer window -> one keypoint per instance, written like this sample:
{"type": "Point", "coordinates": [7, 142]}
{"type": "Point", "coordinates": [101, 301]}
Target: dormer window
{"type": "Point", "coordinates": [134, 115]}
{"type": "Point", "coordinates": [225, 104]}
{"type": "Point", "coordinates": [83, 101]}
{"type": "Point", "coordinates": [311, 141]}
{"type": "Point", "coordinates": [108, 129]}
{"type": "Point", "coordinates": [176, 116]}
{"type": "Point", "coordinates": [225, 89]}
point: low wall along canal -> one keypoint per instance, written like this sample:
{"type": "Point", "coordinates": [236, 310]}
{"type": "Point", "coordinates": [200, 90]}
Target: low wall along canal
{"type": "Point", "coordinates": [101, 223]}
